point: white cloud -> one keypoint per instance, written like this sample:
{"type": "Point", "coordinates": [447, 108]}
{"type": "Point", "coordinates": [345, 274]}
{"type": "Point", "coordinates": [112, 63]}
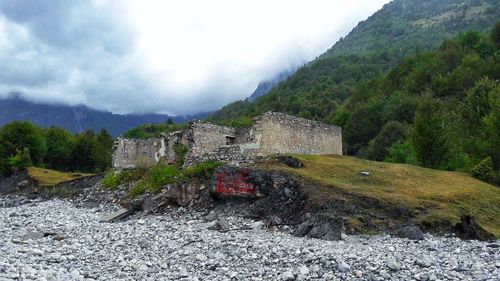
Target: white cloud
{"type": "Point", "coordinates": [176, 57]}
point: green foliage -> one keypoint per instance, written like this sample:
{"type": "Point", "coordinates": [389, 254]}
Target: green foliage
{"type": "Point", "coordinates": [411, 25]}
{"type": "Point", "coordinates": [180, 151]}
{"type": "Point", "coordinates": [21, 160]}
{"type": "Point", "coordinates": [138, 189]}
{"type": "Point", "coordinates": [391, 133]}
{"type": "Point", "coordinates": [201, 171]}
{"type": "Point", "coordinates": [240, 122]}
{"type": "Point", "coordinates": [161, 175]}
{"type": "Point", "coordinates": [155, 178]}
{"type": "Point", "coordinates": [484, 170]}
{"type": "Point", "coordinates": [363, 125]}
{"type": "Point", "coordinates": [428, 136]}
{"type": "Point", "coordinates": [401, 153]}
{"type": "Point", "coordinates": [492, 125]}
{"type": "Point", "coordinates": [152, 130]}
{"type": "Point", "coordinates": [54, 148]}
{"type": "Point", "coordinates": [16, 136]}
{"type": "Point", "coordinates": [495, 35]}
{"type": "Point", "coordinates": [111, 180]}
{"type": "Point", "coordinates": [59, 144]}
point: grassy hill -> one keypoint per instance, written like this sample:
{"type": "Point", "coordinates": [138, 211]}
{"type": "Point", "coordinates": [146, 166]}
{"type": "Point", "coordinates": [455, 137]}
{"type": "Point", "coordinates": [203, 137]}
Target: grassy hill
{"type": "Point", "coordinates": [428, 196]}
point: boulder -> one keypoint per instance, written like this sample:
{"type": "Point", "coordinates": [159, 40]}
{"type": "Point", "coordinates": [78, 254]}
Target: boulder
{"type": "Point", "coordinates": [411, 232]}
{"type": "Point", "coordinates": [290, 161]}
{"type": "Point", "coordinates": [322, 226]}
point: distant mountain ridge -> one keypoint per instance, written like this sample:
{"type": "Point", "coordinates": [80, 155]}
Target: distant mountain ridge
{"type": "Point", "coordinates": [77, 118]}
{"type": "Point", "coordinates": [266, 86]}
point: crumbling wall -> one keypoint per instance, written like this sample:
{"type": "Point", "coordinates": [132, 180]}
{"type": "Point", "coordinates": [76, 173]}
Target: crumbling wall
{"type": "Point", "coordinates": [280, 133]}
{"type": "Point", "coordinates": [128, 153]}
{"type": "Point", "coordinates": [272, 133]}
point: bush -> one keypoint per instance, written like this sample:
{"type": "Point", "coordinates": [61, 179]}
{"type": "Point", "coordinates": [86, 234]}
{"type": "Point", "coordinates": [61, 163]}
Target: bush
{"type": "Point", "coordinates": [484, 170]}
{"type": "Point", "coordinates": [401, 153]}
{"type": "Point", "coordinates": [138, 189]}
{"type": "Point", "coordinates": [391, 133]}
{"type": "Point", "coordinates": [180, 151]}
{"type": "Point", "coordinates": [161, 175]}
{"type": "Point", "coordinates": [202, 171]}
{"type": "Point", "coordinates": [111, 180]}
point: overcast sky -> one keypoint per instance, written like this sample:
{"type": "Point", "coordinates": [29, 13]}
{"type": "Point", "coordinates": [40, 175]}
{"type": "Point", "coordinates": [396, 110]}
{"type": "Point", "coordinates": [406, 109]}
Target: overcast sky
{"type": "Point", "coordinates": [174, 57]}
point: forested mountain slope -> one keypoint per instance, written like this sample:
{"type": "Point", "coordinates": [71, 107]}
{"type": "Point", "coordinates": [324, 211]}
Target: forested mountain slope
{"type": "Point", "coordinates": [402, 27]}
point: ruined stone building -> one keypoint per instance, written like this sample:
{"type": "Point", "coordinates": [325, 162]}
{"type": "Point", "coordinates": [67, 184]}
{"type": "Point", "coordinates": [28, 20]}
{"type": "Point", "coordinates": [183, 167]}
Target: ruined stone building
{"type": "Point", "coordinates": [271, 133]}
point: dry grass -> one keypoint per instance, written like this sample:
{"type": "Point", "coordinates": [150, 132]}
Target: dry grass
{"type": "Point", "coordinates": [432, 195]}
{"type": "Point", "coordinates": [47, 178]}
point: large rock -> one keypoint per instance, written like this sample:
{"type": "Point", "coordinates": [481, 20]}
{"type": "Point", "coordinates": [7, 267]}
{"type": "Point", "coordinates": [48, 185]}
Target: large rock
{"type": "Point", "coordinates": [231, 181]}
{"type": "Point", "coordinates": [411, 232]}
{"type": "Point", "coordinates": [323, 226]}
{"type": "Point", "coordinates": [290, 161]}
{"type": "Point", "coordinates": [468, 228]}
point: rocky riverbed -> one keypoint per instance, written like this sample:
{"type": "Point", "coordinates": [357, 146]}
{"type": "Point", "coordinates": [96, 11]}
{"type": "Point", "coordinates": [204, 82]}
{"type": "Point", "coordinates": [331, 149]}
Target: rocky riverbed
{"type": "Point", "coordinates": [56, 240]}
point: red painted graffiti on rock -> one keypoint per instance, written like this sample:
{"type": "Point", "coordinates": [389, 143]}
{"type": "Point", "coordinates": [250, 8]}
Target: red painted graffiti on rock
{"type": "Point", "coordinates": [234, 184]}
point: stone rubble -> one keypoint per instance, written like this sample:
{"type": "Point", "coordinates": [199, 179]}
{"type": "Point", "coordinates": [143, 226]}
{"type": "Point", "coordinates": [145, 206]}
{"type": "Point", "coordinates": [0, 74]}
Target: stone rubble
{"type": "Point", "coordinates": [181, 247]}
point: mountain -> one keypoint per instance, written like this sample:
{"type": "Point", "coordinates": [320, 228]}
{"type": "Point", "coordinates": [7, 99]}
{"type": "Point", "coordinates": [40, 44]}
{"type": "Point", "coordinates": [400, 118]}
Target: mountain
{"type": "Point", "coordinates": [416, 83]}
{"type": "Point", "coordinates": [402, 26]}
{"type": "Point", "coordinates": [374, 46]}
{"type": "Point", "coordinates": [76, 118]}
{"type": "Point", "coordinates": [265, 86]}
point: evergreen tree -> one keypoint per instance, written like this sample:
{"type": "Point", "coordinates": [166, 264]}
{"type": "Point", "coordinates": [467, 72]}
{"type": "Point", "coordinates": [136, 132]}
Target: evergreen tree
{"type": "Point", "coordinates": [428, 134]}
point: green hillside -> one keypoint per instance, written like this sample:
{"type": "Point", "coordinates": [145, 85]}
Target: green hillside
{"type": "Point", "coordinates": [436, 108]}
{"type": "Point", "coordinates": [403, 26]}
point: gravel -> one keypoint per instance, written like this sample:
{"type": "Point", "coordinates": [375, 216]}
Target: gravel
{"type": "Point", "coordinates": [180, 246]}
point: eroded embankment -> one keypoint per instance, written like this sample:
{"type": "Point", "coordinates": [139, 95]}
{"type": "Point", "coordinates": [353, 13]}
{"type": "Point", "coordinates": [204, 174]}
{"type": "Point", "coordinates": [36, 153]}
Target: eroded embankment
{"type": "Point", "coordinates": [277, 197]}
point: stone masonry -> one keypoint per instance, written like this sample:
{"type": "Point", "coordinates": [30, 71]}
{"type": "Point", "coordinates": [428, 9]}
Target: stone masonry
{"type": "Point", "coordinates": [271, 133]}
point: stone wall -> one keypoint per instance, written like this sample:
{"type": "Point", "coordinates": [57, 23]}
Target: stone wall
{"type": "Point", "coordinates": [280, 133]}
{"type": "Point", "coordinates": [205, 138]}
{"type": "Point", "coordinates": [272, 133]}
{"type": "Point", "coordinates": [128, 153]}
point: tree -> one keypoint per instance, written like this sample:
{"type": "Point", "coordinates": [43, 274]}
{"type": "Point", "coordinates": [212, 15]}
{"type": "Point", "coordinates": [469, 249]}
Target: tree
{"type": "Point", "coordinates": [170, 121]}
{"type": "Point", "coordinates": [428, 135]}
{"type": "Point", "coordinates": [492, 122]}
{"type": "Point", "coordinates": [21, 160]}
{"type": "Point", "coordinates": [82, 155]}
{"type": "Point", "coordinates": [391, 133]}
{"type": "Point", "coordinates": [102, 151]}
{"type": "Point", "coordinates": [59, 147]}
{"type": "Point", "coordinates": [495, 35]}
{"type": "Point", "coordinates": [17, 135]}
{"type": "Point", "coordinates": [470, 40]}
{"type": "Point", "coordinates": [363, 125]}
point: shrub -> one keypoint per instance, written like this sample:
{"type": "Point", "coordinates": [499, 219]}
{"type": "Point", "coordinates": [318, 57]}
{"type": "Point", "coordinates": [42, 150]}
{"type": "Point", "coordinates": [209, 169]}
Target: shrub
{"type": "Point", "coordinates": [401, 153]}
{"type": "Point", "coordinates": [180, 151]}
{"type": "Point", "coordinates": [202, 171]}
{"type": "Point", "coordinates": [161, 175]}
{"type": "Point", "coordinates": [111, 180]}
{"type": "Point", "coordinates": [484, 170]}
{"type": "Point", "coordinates": [138, 189]}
